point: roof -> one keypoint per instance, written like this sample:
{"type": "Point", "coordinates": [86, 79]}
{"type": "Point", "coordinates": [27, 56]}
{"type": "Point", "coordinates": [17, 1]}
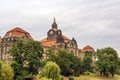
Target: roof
{"type": "Point", "coordinates": [87, 48]}
{"type": "Point", "coordinates": [50, 43]}
{"type": "Point", "coordinates": [17, 32]}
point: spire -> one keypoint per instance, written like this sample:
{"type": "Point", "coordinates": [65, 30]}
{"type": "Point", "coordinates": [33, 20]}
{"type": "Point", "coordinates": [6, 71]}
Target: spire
{"type": "Point", "coordinates": [54, 20]}
{"type": "Point", "coordinates": [54, 25]}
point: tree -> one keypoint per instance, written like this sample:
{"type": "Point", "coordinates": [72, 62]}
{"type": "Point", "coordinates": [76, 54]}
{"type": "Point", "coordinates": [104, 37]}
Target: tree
{"type": "Point", "coordinates": [107, 61]}
{"type": "Point", "coordinates": [118, 68]}
{"type": "Point", "coordinates": [69, 64]}
{"type": "Point", "coordinates": [6, 72]}
{"type": "Point", "coordinates": [87, 62]}
{"type": "Point", "coordinates": [51, 70]}
{"type": "Point", "coordinates": [33, 56]}
{"type": "Point", "coordinates": [27, 58]}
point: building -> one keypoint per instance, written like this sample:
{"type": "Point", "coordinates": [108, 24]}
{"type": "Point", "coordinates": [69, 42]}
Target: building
{"type": "Point", "coordinates": [87, 48]}
{"type": "Point", "coordinates": [9, 39]}
{"type": "Point", "coordinates": [55, 38]}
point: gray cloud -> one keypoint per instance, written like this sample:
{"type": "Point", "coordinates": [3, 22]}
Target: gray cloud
{"type": "Point", "coordinates": [91, 22]}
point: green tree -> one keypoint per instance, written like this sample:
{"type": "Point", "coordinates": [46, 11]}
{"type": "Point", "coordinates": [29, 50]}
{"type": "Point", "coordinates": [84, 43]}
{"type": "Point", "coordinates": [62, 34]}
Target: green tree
{"type": "Point", "coordinates": [27, 58]}
{"type": "Point", "coordinates": [51, 70]}
{"type": "Point", "coordinates": [87, 62]}
{"type": "Point", "coordinates": [6, 72]}
{"type": "Point", "coordinates": [69, 64]}
{"type": "Point", "coordinates": [33, 56]}
{"type": "Point", "coordinates": [118, 70]}
{"type": "Point", "coordinates": [107, 61]}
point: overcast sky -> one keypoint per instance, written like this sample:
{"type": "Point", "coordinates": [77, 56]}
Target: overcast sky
{"type": "Point", "coordinates": [90, 22]}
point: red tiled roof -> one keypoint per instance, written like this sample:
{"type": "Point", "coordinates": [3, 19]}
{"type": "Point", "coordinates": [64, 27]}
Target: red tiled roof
{"type": "Point", "coordinates": [17, 32]}
{"type": "Point", "coordinates": [87, 48]}
{"type": "Point", "coordinates": [50, 43]}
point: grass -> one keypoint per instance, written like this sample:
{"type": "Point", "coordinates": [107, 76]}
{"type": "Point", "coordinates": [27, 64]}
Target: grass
{"type": "Point", "coordinates": [95, 77]}
{"type": "Point", "coordinates": [91, 76]}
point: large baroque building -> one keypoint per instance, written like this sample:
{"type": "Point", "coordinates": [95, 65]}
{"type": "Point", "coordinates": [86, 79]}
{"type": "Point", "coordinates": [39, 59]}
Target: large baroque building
{"type": "Point", "coordinates": [55, 39]}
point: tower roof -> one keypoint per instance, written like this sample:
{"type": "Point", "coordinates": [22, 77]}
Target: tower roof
{"type": "Point", "coordinates": [17, 32]}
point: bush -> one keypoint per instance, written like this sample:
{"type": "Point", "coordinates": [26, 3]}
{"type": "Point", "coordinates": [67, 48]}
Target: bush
{"type": "Point", "coordinates": [19, 78]}
{"type": "Point", "coordinates": [59, 78]}
{"type": "Point", "coordinates": [77, 74]}
{"type": "Point", "coordinates": [71, 78]}
{"type": "Point", "coordinates": [87, 73]}
{"type": "Point", "coordinates": [44, 78]}
{"type": "Point", "coordinates": [51, 70]}
{"type": "Point", "coordinates": [6, 72]}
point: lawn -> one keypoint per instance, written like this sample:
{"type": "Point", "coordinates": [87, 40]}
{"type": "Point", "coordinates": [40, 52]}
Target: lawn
{"type": "Point", "coordinates": [95, 77]}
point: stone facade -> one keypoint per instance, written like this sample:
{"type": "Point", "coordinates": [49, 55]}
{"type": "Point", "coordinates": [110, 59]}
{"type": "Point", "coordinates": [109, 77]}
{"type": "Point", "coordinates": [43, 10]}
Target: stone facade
{"type": "Point", "coordinates": [55, 39]}
{"type": "Point", "coordinates": [9, 39]}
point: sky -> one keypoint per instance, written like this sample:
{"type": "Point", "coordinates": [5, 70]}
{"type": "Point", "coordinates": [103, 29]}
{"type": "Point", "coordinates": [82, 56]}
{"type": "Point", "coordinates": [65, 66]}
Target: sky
{"type": "Point", "coordinates": [90, 22]}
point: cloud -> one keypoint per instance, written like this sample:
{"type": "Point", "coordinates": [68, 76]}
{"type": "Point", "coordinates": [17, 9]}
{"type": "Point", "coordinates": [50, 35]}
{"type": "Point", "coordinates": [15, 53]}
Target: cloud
{"type": "Point", "coordinates": [91, 22]}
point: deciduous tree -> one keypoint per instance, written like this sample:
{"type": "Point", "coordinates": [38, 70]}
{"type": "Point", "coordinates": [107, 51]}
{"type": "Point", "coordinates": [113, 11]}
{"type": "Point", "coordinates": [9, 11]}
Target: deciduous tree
{"type": "Point", "coordinates": [69, 64]}
{"type": "Point", "coordinates": [27, 58]}
{"type": "Point", "coordinates": [87, 62]}
{"type": "Point", "coordinates": [107, 61]}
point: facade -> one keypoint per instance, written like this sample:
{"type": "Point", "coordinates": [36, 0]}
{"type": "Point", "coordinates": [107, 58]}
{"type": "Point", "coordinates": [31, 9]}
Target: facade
{"type": "Point", "coordinates": [56, 39]}
{"type": "Point", "coordinates": [9, 39]}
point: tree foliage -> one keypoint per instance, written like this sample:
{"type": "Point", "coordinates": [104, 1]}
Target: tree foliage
{"type": "Point", "coordinates": [87, 62]}
{"type": "Point", "coordinates": [51, 70]}
{"type": "Point", "coordinates": [107, 61]}
{"type": "Point", "coordinates": [118, 70]}
{"type": "Point", "coordinates": [6, 72]}
{"type": "Point", "coordinates": [69, 64]}
{"type": "Point", "coordinates": [27, 58]}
